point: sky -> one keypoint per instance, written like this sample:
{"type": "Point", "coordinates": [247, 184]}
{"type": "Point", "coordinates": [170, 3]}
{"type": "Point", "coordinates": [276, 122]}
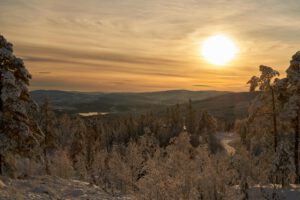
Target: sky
{"type": "Point", "coordinates": [147, 45]}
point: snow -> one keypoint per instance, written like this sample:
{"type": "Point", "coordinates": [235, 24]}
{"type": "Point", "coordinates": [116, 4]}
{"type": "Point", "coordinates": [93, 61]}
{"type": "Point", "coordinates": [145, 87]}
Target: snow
{"type": "Point", "coordinates": [265, 192]}
{"type": "Point", "coordinates": [48, 187]}
{"type": "Point", "coordinates": [88, 114]}
{"type": "Point", "coordinates": [5, 53]}
{"type": "Point", "coordinates": [294, 70]}
{"type": "Point", "coordinates": [290, 109]}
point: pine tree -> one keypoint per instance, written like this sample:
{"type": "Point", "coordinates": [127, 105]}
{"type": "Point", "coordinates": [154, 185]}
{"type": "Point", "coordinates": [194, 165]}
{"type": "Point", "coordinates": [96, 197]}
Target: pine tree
{"type": "Point", "coordinates": [175, 121]}
{"type": "Point", "coordinates": [19, 133]}
{"type": "Point", "coordinates": [282, 166]}
{"type": "Point", "coordinates": [190, 118]}
{"type": "Point", "coordinates": [241, 127]}
{"type": "Point", "coordinates": [290, 96]}
{"type": "Point", "coordinates": [207, 128]}
{"type": "Point", "coordinates": [266, 85]}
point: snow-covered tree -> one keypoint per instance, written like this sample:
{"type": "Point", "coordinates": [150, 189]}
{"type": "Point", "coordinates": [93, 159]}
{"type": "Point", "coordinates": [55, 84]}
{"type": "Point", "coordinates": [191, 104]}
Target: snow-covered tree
{"type": "Point", "coordinates": [293, 72]}
{"type": "Point", "coordinates": [176, 124]}
{"type": "Point", "coordinates": [282, 166]}
{"type": "Point", "coordinates": [290, 98]}
{"type": "Point", "coordinates": [241, 127]}
{"type": "Point", "coordinates": [78, 147]}
{"type": "Point", "coordinates": [61, 165]}
{"type": "Point", "coordinates": [128, 167]}
{"type": "Point", "coordinates": [65, 136]}
{"type": "Point", "coordinates": [47, 124]}
{"type": "Point", "coordinates": [280, 98]}
{"type": "Point", "coordinates": [265, 83]}
{"type": "Point", "coordinates": [19, 133]}
{"type": "Point", "coordinates": [207, 127]}
{"type": "Point", "coordinates": [190, 118]}
{"type": "Point", "coordinates": [168, 175]}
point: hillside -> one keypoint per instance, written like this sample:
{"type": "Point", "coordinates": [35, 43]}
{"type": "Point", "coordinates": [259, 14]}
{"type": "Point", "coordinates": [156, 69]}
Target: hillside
{"type": "Point", "coordinates": [228, 106]}
{"type": "Point", "coordinates": [118, 102]}
{"type": "Point", "coordinates": [223, 105]}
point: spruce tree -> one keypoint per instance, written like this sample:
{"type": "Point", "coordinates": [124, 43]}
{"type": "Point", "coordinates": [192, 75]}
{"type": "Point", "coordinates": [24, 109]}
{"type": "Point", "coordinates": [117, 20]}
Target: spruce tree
{"type": "Point", "coordinates": [19, 133]}
{"type": "Point", "coordinates": [290, 94]}
{"type": "Point", "coordinates": [282, 166]}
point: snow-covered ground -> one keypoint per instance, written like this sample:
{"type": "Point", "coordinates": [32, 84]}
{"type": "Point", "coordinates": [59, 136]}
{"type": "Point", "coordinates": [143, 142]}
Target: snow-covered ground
{"type": "Point", "coordinates": [47, 187]}
{"type": "Point", "coordinates": [267, 191]}
{"type": "Point", "coordinates": [54, 188]}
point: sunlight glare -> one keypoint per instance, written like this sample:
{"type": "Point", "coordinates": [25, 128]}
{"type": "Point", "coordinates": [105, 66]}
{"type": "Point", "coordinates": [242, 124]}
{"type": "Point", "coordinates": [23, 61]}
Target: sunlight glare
{"type": "Point", "coordinates": [218, 50]}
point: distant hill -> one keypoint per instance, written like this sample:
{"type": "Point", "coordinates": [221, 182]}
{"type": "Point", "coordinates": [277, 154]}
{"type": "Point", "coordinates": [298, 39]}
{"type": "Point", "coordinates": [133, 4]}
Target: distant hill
{"type": "Point", "coordinates": [221, 104]}
{"type": "Point", "coordinates": [179, 96]}
{"type": "Point", "coordinates": [118, 102]}
{"type": "Point", "coordinates": [228, 106]}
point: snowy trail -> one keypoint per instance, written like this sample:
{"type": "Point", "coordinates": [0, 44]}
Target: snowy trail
{"type": "Point", "coordinates": [225, 139]}
{"type": "Point", "coordinates": [230, 150]}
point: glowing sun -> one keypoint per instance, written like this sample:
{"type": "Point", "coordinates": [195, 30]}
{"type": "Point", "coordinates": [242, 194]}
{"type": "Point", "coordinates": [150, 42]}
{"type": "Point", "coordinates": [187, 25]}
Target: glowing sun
{"type": "Point", "coordinates": [218, 50]}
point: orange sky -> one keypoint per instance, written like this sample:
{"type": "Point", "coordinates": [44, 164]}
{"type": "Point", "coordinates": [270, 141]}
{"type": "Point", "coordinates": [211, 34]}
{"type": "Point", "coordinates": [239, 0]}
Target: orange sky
{"type": "Point", "coordinates": [142, 45]}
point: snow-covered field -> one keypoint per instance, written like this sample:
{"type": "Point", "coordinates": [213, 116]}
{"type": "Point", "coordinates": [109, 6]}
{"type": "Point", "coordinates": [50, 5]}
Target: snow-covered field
{"type": "Point", "coordinates": [47, 187]}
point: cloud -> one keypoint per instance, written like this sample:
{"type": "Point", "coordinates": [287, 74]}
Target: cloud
{"type": "Point", "coordinates": [156, 40]}
{"type": "Point", "coordinates": [201, 85]}
{"type": "Point", "coordinates": [66, 54]}
{"type": "Point", "coordinates": [106, 67]}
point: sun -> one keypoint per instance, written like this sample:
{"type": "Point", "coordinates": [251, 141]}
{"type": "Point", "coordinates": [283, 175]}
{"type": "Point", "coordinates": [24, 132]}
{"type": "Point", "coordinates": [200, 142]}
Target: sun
{"type": "Point", "coordinates": [218, 50]}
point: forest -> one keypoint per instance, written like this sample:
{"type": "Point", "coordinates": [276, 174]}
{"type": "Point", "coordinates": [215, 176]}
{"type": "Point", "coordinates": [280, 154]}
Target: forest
{"type": "Point", "coordinates": [180, 153]}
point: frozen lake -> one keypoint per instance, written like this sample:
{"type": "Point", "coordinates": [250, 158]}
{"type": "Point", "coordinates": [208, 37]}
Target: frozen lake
{"type": "Point", "coordinates": [88, 114]}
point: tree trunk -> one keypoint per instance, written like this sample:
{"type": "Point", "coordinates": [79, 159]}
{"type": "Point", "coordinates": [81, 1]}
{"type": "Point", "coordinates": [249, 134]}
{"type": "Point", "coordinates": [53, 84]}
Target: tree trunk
{"type": "Point", "coordinates": [46, 163]}
{"type": "Point", "coordinates": [296, 150]}
{"type": "Point", "coordinates": [1, 124]}
{"type": "Point", "coordinates": [1, 164]}
{"type": "Point", "coordinates": [1, 104]}
{"type": "Point", "coordinates": [274, 119]}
